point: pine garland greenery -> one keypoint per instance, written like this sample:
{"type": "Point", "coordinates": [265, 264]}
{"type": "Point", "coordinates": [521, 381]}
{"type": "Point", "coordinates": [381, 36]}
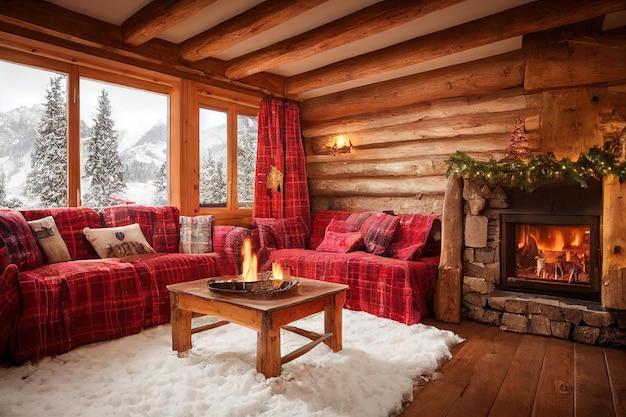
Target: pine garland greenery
{"type": "Point", "coordinates": [539, 170]}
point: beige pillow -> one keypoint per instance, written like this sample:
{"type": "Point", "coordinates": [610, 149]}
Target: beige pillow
{"type": "Point", "coordinates": [52, 244]}
{"type": "Point", "coordinates": [116, 242]}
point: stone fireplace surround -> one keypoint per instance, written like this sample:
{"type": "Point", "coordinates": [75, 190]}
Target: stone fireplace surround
{"type": "Point", "coordinates": [579, 320]}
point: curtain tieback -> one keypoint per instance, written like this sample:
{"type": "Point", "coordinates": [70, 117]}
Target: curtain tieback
{"type": "Point", "coordinates": [274, 179]}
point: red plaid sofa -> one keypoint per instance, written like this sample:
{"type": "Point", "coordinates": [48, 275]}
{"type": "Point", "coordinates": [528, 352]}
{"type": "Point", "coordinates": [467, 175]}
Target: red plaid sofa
{"type": "Point", "coordinates": [396, 281]}
{"type": "Point", "coordinates": [50, 308]}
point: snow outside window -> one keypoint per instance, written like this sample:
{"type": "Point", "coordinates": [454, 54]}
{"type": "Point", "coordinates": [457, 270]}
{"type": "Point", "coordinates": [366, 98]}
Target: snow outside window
{"type": "Point", "coordinates": [215, 172]}
{"type": "Point", "coordinates": [33, 137]}
{"type": "Point", "coordinates": [124, 139]}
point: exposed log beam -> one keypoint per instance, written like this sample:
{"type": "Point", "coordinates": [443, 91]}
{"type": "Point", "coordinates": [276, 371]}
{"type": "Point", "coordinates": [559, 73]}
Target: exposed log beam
{"type": "Point", "coordinates": [469, 79]}
{"type": "Point", "coordinates": [396, 187]}
{"type": "Point", "coordinates": [531, 17]}
{"type": "Point", "coordinates": [575, 62]}
{"type": "Point", "coordinates": [265, 16]}
{"type": "Point", "coordinates": [442, 128]}
{"type": "Point", "coordinates": [158, 16]}
{"type": "Point", "coordinates": [440, 110]}
{"type": "Point", "coordinates": [356, 26]}
{"type": "Point", "coordinates": [415, 166]}
{"type": "Point", "coordinates": [486, 144]}
{"type": "Point", "coordinates": [47, 22]}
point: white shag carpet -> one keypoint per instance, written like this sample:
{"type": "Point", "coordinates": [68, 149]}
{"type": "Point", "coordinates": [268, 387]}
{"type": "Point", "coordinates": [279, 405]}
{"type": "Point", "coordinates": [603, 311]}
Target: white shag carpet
{"type": "Point", "coordinates": [140, 375]}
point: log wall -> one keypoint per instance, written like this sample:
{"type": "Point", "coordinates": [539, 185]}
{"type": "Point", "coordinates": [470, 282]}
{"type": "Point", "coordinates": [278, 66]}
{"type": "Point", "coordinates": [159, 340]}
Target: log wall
{"type": "Point", "coordinates": [402, 131]}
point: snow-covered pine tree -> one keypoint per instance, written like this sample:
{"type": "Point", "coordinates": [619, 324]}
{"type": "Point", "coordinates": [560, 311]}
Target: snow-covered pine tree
{"type": "Point", "coordinates": [12, 203]}
{"type": "Point", "coordinates": [212, 181]}
{"type": "Point", "coordinates": [160, 184]}
{"type": "Point", "coordinates": [47, 180]}
{"type": "Point", "coordinates": [103, 166]}
{"type": "Point", "coordinates": [246, 158]}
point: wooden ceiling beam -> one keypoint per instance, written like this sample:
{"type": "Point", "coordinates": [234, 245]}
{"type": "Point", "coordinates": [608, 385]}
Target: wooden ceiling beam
{"type": "Point", "coordinates": [258, 19]}
{"type": "Point", "coordinates": [356, 26]}
{"type": "Point", "coordinates": [469, 79]}
{"type": "Point", "coordinates": [47, 22]}
{"type": "Point", "coordinates": [158, 16]}
{"type": "Point", "coordinates": [527, 18]}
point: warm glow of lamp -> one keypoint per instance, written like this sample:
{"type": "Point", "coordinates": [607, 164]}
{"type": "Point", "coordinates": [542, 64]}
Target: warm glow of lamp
{"type": "Point", "coordinates": [340, 144]}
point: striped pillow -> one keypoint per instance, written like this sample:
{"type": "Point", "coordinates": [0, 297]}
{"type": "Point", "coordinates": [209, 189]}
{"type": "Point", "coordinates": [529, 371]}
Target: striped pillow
{"type": "Point", "coordinates": [19, 238]}
{"type": "Point", "coordinates": [196, 234]}
{"type": "Point", "coordinates": [377, 231]}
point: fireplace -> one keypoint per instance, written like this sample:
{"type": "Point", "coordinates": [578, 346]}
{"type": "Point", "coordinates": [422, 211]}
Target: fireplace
{"type": "Point", "coordinates": [550, 242]}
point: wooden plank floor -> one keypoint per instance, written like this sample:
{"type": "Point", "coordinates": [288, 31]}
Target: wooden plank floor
{"type": "Point", "coordinates": [496, 373]}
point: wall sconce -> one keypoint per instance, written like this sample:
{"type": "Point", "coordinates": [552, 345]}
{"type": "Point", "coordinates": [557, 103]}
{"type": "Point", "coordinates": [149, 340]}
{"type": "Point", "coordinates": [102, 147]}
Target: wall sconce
{"type": "Point", "coordinates": [339, 144]}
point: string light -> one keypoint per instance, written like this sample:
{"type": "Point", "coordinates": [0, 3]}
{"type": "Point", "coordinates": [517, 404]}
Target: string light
{"type": "Point", "coordinates": [539, 170]}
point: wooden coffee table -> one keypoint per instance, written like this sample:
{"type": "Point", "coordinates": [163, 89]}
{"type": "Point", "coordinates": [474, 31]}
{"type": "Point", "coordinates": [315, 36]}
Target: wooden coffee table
{"type": "Point", "coordinates": [265, 314]}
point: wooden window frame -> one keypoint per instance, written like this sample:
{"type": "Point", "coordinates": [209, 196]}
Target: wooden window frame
{"type": "Point", "coordinates": [76, 65]}
{"type": "Point", "coordinates": [198, 96]}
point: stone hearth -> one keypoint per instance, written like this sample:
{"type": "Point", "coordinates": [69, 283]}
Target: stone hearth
{"type": "Point", "coordinates": [579, 320]}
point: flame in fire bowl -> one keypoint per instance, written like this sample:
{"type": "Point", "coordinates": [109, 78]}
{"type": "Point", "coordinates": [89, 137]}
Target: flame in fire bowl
{"type": "Point", "coordinates": [260, 287]}
{"type": "Point", "coordinates": [251, 282]}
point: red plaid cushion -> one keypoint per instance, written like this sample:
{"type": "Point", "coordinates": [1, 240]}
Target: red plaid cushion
{"type": "Point", "coordinates": [386, 287]}
{"type": "Point", "coordinates": [411, 236]}
{"type": "Point", "coordinates": [67, 304]}
{"type": "Point", "coordinates": [377, 231]}
{"type": "Point", "coordinates": [341, 242]}
{"type": "Point", "coordinates": [160, 225]}
{"type": "Point", "coordinates": [19, 238]}
{"type": "Point", "coordinates": [340, 226]}
{"type": "Point", "coordinates": [266, 237]}
{"type": "Point", "coordinates": [158, 270]}
{"type": "Point", "coordinates": [4, 254]}
{"type": "Point", "coordinates": [71, 221]}
{"type": "Point", "coordinates": [321, 222]}
{"type": "Point", "coordinates": [10, 305]}
{"type": "Point", "coordinates": [357, 219]}
{"type": "Point", "coordinates": [289, 233]}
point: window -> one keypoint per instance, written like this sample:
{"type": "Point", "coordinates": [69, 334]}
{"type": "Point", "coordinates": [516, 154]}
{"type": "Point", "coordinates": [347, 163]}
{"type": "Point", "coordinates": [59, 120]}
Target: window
{"type": "Point", "coordinates": [227, 154]}
{"type": "Point", "coordinates": [33, 137]}
{"type": "Point", "coordinates": [124, 145]}
{"type": "Point", "coordinates": [108, 144]}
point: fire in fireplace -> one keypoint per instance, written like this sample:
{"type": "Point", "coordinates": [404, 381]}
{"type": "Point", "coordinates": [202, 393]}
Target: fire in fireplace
{"type": "Point", "coordinates": [551, 250]}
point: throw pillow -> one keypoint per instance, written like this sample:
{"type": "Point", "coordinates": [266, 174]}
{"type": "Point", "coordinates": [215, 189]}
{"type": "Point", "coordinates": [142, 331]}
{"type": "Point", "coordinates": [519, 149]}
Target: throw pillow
{"type": "Point", "coordinates": [340, 226]}
{"type": "Point", "coordinates": [196, 234]}
{"type": "Point", "coordinates": [52, 244]}
{"type": "Point", "coordinates": [289, 233]}
{"type": "Point", "coordinates": [4, 254]}
{"type": "Point", "coordinates": [10, 306]}
{"type": "Point", "coordinates": [377, 231]}
{"type": "Point", "coordinates": [357, 219]}
{"type": "Point", "coordinates": [116, 242]}
{"type": "Point", "coordinates": [266, 237]}
{"type": "Point", "coordinates": [411, 236]}
{"type": "Point", "coordinates": [341, 242]}
{"type": "Point", "coordinates": [23, 249]}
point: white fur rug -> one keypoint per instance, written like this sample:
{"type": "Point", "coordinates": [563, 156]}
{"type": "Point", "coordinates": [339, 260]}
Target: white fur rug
{"type": "Point", "coordinates": [139, 375]}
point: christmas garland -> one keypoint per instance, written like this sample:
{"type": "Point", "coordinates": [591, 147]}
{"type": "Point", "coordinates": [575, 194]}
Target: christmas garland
{"type": "Point", "coordinates": [543, 169]}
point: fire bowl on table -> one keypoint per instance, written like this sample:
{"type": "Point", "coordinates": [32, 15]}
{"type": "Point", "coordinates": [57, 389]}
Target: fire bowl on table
{"type": "Point", "coordinates": [260, 287]}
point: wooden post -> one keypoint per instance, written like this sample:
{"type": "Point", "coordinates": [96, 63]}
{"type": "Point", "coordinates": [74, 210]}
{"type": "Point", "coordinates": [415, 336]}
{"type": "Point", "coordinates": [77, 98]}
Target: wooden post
{"type": "Point", "coordinates": [613, 286]}
{"type": "Point", "coordinates": [449, 282]}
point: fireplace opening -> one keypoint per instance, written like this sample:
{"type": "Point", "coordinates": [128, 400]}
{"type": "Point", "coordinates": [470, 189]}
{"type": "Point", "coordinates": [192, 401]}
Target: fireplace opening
{"type": "Point", "coordinates": [550, 242]}
{"type": "Point", "coordinates": [551, 254]}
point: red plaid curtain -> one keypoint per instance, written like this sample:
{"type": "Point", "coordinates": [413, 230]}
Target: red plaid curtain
{"type": "Point", "coordinates": [280, 153]}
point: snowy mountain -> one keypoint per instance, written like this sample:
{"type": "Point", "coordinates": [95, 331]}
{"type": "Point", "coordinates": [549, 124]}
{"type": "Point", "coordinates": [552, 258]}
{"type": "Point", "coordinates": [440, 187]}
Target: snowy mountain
{"type": "Point", "coordinates": [18, 130]}
{"type": "Point", "coordinates": [144, 158]}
